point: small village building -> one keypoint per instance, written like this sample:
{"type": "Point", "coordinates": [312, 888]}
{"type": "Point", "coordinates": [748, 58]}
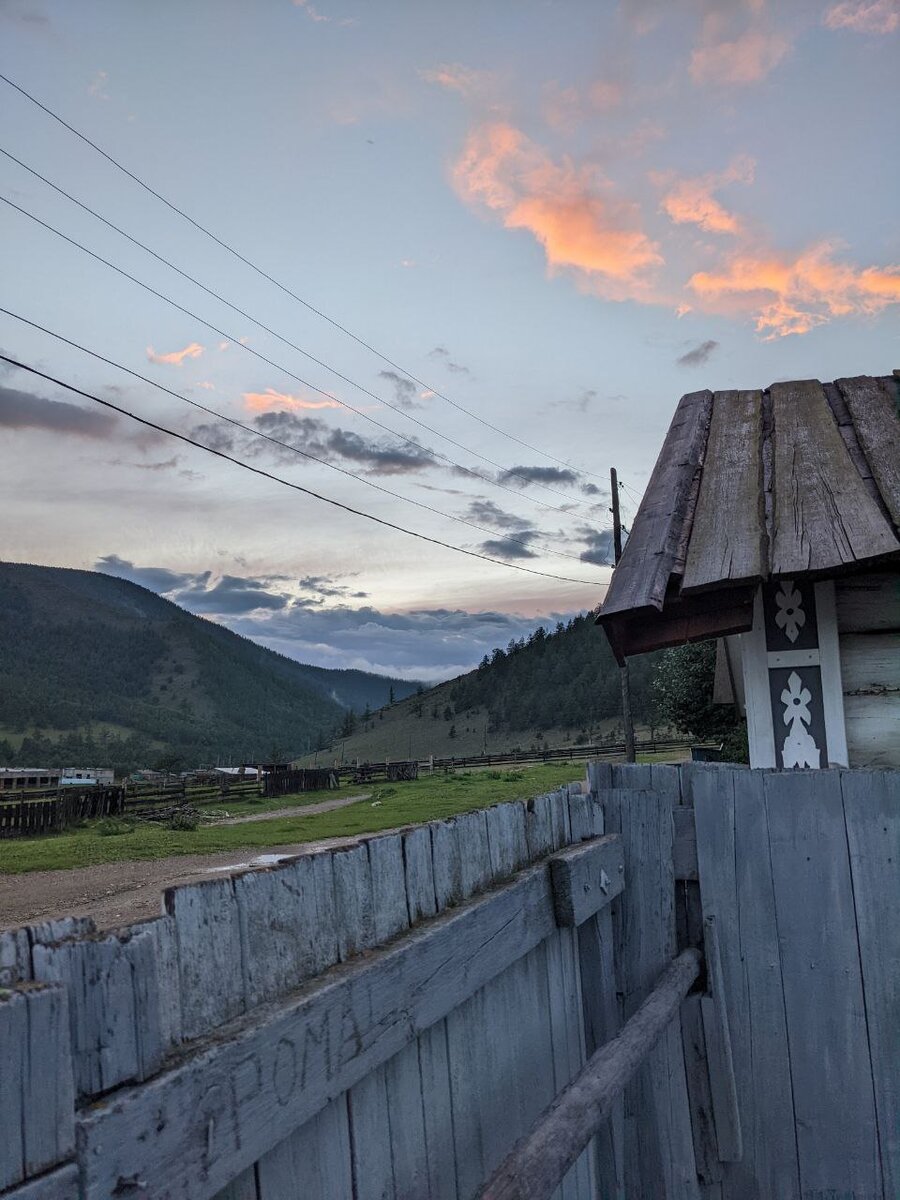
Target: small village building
{"type": "Point", "coordinates": [19, 778]}
{"type": "Point", "coordinates": [772, 522]}
{"type": "Point", "coordinates": [87, 776]}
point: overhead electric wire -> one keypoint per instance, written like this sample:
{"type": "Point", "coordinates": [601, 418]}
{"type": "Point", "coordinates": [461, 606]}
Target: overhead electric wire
{"type": "Point", "coordinates": [183, 437]}
{"type": "Point", "coordinates": [529, 544]}
{"type": "Point", "coordinates": [277, 283]}
{"type": "Point", "coordinates": [270, 362]}
{"type": "Point", "coordinates": [509, 471]}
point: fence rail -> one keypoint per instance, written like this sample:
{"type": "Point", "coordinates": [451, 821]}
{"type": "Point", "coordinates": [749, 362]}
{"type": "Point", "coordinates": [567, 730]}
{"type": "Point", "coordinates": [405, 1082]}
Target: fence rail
{"type": "Point", "coordinates": [31, 817]}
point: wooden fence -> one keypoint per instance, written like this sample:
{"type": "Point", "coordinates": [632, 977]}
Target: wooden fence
{"type": "Point", "coordinates": [29, 818]}
{"type": "Point", "coordinates": [409, 1016]}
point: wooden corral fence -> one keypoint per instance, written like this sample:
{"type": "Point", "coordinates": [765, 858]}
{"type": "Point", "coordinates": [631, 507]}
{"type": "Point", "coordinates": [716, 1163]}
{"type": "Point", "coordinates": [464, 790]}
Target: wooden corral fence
{"type": "Point", "coordinates": [58, 811]}
{"type": "Point", "coordinates": [303, 779]}
{"type": "Point", "coordinates": [680, 983]}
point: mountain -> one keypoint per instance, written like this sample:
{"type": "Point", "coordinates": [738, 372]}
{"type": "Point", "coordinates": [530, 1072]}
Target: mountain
{"type": "Point", "coordinates": [97, 669]}
{"type": "Point", "coordinates": [551, 688]}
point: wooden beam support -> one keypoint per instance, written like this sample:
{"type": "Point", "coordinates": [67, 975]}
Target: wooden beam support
{"type": "Point", "coordinates": [586, 877]}
{"type": "Point", "coordinates": [540, 1160]}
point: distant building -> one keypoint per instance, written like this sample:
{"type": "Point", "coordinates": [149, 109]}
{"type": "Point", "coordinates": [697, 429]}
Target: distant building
{"type": "Point", "coordinates": [85, 776]}
{"type": "Point", "coordinates": [19, 778]}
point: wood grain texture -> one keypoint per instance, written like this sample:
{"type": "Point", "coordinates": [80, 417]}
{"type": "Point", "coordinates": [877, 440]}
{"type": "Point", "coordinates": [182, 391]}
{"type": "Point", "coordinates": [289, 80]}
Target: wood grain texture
{"type": "Point", "coordinates": [728, 535]}
{"type": "Point", "coordinates": [434, 1069]}
{"type": "Point", "coordinates": [447, 865]}
{"type": "Point", "coordinates": [837, 1143]}
{"type": "Point", "coordinates": [586, 878]}
{"type": "Point", "coordinates": [61, 1184]}
{"type": "Point", "coordinates": [872, 816]}
{"type": "Point", "coordinates": [354, 915]}
{"type": "Point", "coordinates": [407, 1123]}
{"type": "Point", "coordinates": [165, 942]}
{"type": "Point", "coordinates": [36, 1097]}
{"type": "Point", "coordinates": [112, 989]}
{"type": "Point", "coordinates": [659, 1143]}
{"type": "Point", "coordinates": [872, 722]}
{"type": "Point", "coordinates": [373, 1166]}
{"type": "Point", "coordinates": [208, 930]}
{"type": "Point", "coordinates": [641, 578]}
{"type": "Point", "coordinates": [873, 405]}
{"type": "Point", "coordinates": [720, 1062]}
{"type": "Point", "coordinates": [417, 861]}
{"type": "Point", "coordinates": [696, 1066]}
{"type": "Point", "coordinates": [244, 1187]}
{"type": "Point", "coordinates": [389, 908]}
{"type": "Point", "coordinates": [194, 1127]}
{"type": "Point", "coordinates": [868, 603]}
{"type": "Point", "coordinates": [823, 515]}
{"type": "Point", "coordinates": [736, 890]}
{"type": "Point", "coordinates": [870, 663]}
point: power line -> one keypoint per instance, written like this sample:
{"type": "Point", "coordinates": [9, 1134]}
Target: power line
{"type": "Point", "coordinates": [183, 437]}
{"type": "Point", "coordinates": [277, 283]}
{"type": "Point", "coordinates": [274, 333]}
{"type": "Point", "coordinates": [528, 544]}
{"type": "Point", "coordinates": [277, 366]}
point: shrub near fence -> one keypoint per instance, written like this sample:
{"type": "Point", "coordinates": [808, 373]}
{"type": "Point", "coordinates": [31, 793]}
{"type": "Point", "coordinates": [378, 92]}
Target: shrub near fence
{"type": "Point", "coordinates": [51, 814]}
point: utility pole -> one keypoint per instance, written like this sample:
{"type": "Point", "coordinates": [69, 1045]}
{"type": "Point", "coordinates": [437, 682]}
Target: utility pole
{"type": "Point", "coordinates": [627, 722]}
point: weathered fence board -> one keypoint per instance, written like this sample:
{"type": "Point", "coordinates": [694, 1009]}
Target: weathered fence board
{"type": "Point", "coordinates": [736, 888]}
{"type": "Point", "coordinates": [872, 816]}
{"type": "Point", "coordinates": [61, 1184]}
{"type": "Point", "coordinates": [434, 1068]}
{"type": "Point", "coordinates": [837, 1137]}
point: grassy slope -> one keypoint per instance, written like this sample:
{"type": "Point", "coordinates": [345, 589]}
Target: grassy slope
{"type": "Point", "coordinates": [425, 799]}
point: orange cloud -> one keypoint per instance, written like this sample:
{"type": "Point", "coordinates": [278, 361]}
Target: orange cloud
{"type": "Point", "coordinates": [691, 201]}
{"type": "Point", "coordinates": [795, 295]}
{"type": "Point", "coordinates": [570, 210]}
{"type": "Point", "coordinates": [566, 108]}
{"type": "Point", "coordinates": [270, 399]}
{"type": "Point", "coordinates": [747, 59]}
{"type": "Point", "coordinates": [864, 16]}
{"type": "Point", "coordinates": [176, 357]}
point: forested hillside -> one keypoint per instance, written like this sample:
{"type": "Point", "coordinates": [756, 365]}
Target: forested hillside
{"type": "Point", "coordinates": [96, 669]}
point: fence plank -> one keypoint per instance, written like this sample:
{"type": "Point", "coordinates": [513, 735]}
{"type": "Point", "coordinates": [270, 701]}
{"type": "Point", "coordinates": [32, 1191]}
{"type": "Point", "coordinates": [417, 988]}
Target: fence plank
{"type": "Point", "coordinates": [162, 931]}
{"type": "Point", "coordinates": [434, 1067]}
{"type": "Point", "coordinates": [736, 889]}
{"type": "Point", "coordinates": [420, 895]}
{"type": "Point", "coordinates": [447, 867]}
{"type": "Point", "coordinates": [373, 1167]}
{"type": "Point", "coordinates": [243, 1188]}
{"type": "Point", "coordinates": [586, 878]}
{"type": "Point", "coordinates": [467, 1049]}
{"type": "Point", "coordinates": [719, 1060]}
{"type": "Point", "coordinates": [390, 913]}
{"type": "Point", "coordinates": [313, 1162]}
{"type": "Point", "coordinates": [659, 1142]}
{"type": "Point", "coordinates": [872, 814]}
{"type": "Point", "coordinates": [407, 1123]}
{"type": "Point", "coordinates": [474, 853]}
{"type": "Point", "coordinates": [113, 1004]}
{"type": "Point", "coordinates": [207, 926]}
{"type": "Point", "coordinates": [56, 1185]}
{"type": "Point", "coordinates": [837, 1144]}
{"type": "Point", "coordinates": [354, 911]}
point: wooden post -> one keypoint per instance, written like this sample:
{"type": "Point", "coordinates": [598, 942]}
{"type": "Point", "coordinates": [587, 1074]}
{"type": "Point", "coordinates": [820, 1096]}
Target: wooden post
{"type": "Point", "coordinates": [627, 721]}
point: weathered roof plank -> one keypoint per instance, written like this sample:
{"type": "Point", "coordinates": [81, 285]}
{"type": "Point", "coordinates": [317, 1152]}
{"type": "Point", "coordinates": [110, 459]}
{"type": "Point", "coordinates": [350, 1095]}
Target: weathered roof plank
{"type": "Point", "coordinates": [728, 537]}
{"type": "Point", "coordinates": [873, 410]}
{"type": "Point", "coordinates": [641, 577]}
{"type": "Point", "coordinates": [824, 518]}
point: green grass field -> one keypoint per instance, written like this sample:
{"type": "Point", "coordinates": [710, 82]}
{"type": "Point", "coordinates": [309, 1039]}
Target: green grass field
{"type": "Point", "coordinates": [390, 805]}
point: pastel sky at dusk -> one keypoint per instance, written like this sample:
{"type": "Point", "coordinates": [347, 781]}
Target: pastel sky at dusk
{"type": "Point", "coordinates": [551, 219]}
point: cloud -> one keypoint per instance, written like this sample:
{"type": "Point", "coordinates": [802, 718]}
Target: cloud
{"type": "Point", "coordinates": [207, 385]}
{"type": "Point", "coordinates": [270, 401]}
{"type": "Point", "coordinates": [176, 357]}
{"type": "Point", "coordinates": [326, 586]}
{"type": "Point", "coordinates": [157, 579]}
{"type": "Point", "coordinates": [564, 108]}
{"type": "Point", "coordinates": [570, 210]}
{"type": "Point", "coordinates": [404, 389]}
{"type": "Point", "coordinates": [510, 548]}
{"type": "Point", "coordinates": [691, 201]}
{"type": "Point", "coordinates": [439, 352]}
{"type": "Point", "coordinates": [232, 594]}
{"type": "Point", "coordinates": [97, 86]}
{"type": "Point", "coordinates": [486, 512]}
{"type": "Point", "coordinates": [24, 410]}
{"type": "Point", "coordinates": [698, 355]}
{"type": "Point", "coordinates": [599, 549]}
{"type": "Point", "coordinates": [864, 16]}
{"type": "Point", "coordinates": [745, 60]}
{"type": "Point", "coordinates": [311, 11]}
{"type": "Point", "coordinates": [523, 476]}
{"type": "Point", "coordinates": [580, 403]}
{"type": "Point", "coordinates": [457, 78]}
{"type": "Point", "coordinates": [795, 294]}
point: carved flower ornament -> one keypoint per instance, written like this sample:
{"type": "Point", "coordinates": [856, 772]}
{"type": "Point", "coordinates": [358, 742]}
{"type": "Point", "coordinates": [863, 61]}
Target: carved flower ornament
{"type": "Point", "coordinates": [790, 616]}
{"type": "Point", "coordinates": [795, 699]}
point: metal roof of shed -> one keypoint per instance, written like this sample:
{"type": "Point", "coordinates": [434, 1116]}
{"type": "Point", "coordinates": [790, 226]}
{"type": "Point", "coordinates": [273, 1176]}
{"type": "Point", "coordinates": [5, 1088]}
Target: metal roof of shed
{"type": "Point", "coordinates": [800, 479]}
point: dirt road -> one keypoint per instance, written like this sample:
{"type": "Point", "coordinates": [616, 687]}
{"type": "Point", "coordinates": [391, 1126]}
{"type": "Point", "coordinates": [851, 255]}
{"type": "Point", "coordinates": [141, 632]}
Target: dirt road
{"type": "Point", "coordinates": [117, 893]}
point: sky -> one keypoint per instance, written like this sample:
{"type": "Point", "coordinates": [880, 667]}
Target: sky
{"type": "Point", "coordinates": [482, 250]}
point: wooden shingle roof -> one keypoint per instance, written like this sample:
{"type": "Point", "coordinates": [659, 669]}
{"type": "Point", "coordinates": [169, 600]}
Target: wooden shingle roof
{"type": "Point", "coordinates": [799, 479]}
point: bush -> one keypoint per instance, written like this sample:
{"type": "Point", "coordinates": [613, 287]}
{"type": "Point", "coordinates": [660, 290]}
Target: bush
{"type": "Point", "coordinates": [114, 826]}
{"type": "Point", "coordinates": [185, 821]}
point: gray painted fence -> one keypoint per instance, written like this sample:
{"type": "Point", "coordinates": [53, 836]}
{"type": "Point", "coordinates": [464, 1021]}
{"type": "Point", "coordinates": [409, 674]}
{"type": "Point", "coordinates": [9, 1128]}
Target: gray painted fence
{"type": "Point", "coordinates": [386, 1020]}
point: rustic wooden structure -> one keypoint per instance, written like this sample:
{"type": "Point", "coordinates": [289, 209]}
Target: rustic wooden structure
{"type": "Point", "coordinates": [301, 779]}
{"type": "Point", "coordinates": [55, 811]}
{"type": "Point", "coordinates": [772, 520]}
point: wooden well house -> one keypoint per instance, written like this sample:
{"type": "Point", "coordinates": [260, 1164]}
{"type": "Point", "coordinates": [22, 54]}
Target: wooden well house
{"type": "Point", "coordinates": [771, 522]}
